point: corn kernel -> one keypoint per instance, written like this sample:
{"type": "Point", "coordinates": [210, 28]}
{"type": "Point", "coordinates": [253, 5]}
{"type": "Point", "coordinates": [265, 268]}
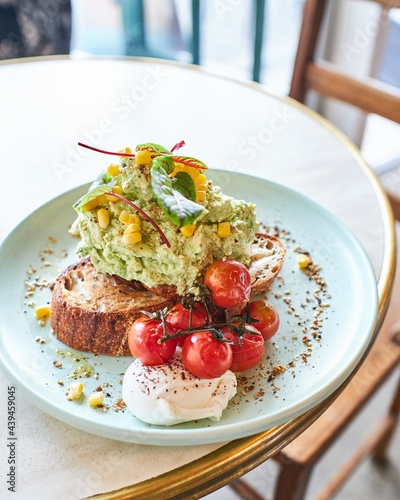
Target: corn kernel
{"type": "Point", "coordinates": [135, 219]}
{"type": "Point", "coordinates": [200, 196]}
{"type": "Point", "coordinates": [102, 199]}
{"type": "Point", "coordinates": [75, 390]}
{"type": "Point", "coordinates": [132, 238]}
{"type": "Point", "coordinates": [90, 205]}
{"type": "Point", "coordinates": [110, 197]}
{"type": "Point", "coordinates": [113, 169]}
{"type": "Point", "coordinates": [103, 217]}
{"type": "Point", "coordinates": [125, 217]}
{"type": "Point", "coordinates": [143, 157]}
{"type": "Point", "coordinates": [132, 228]}
{"type": "Point", "coordinates": [224, 229]}
{"type": "Point", "coordinates": [200, 179]}
{"type": "Point", "coordinates": [188, 230]}
{"type": "Point", "coordinates": [193, 172]}
{"type": "Point", "coordinates": [178, 168]}
{"type": "Point", "coordinates": [303, 260]}
{"type": "Point", "coordinates": [42, 312]}
{"type": "Point", "coordinates": [96, 399]}
{"type": "Point", "coordinates": [127, 151]}
{"type": "Point", "coordinates": [202, 187]}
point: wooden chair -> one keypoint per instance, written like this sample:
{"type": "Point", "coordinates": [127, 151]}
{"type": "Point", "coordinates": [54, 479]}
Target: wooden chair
{"type": "Point", "coordinates": [299, 457]}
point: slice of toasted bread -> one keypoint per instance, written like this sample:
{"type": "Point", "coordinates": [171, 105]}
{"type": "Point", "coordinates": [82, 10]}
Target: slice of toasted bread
{"type": "Point", "coordinates": [93, 312]}
{"type": "Point", "coordinates": [267, 256]}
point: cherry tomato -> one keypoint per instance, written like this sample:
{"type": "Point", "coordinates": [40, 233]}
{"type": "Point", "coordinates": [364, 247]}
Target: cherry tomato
{"type": "Point", "coordinates": [179, 319]}
{"type": "Point", "coordinates": [249, 354]}
{"type": "Point", "coordinates": [143, 342]}
{"type": "Point", "coordinates": [268, 318]}
{"type": "Point", "coordinates": [229, 282]}
{"type": "Point", "coordinates": [206, 357]}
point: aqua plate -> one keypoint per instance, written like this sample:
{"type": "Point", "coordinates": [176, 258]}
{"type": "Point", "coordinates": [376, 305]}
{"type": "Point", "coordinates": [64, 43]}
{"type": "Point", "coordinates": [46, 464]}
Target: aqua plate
{"type": "Point", "coordinates": [327, 322]}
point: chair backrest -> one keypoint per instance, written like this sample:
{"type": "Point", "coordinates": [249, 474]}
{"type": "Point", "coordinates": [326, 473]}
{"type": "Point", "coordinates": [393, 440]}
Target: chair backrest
{"type": "Point", "coordinates": [326, 79]}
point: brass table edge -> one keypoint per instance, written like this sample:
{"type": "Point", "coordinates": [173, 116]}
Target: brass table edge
{"type": "Point", "coordinates": [222, 466]}
{"type": "Point", "coordinates": [208, 473]}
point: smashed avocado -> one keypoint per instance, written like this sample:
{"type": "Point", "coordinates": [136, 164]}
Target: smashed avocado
{"type": "Point", "coordinates": [149, 260]}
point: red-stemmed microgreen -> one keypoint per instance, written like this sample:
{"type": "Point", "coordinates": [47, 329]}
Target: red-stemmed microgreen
{"type": "Point", "coordinates": [103, 184]}
{"type": "Point", "coordinates": [175, 195]}
{"type": "Point", "coordinates": [105, 152]}
{"type": "Point", "coordinates": [178, 145]}
{"type": "Point", "coordinates": [155, 151]}
{"type": "Point", "coordinates": [190, 162]}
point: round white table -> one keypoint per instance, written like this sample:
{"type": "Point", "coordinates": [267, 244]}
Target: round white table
{"type": "Point", "coordinates": [47, 105]}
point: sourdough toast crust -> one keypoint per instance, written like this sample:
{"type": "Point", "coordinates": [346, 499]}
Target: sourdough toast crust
{"type": "Point", "coordinates": [93, 312]}
{"type": "Point", "coordinates": [267, 257]}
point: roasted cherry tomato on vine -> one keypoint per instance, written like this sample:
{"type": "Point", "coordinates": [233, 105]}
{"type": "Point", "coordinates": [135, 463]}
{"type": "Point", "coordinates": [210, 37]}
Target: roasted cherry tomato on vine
{"type": "Point", "coordinates": [249, 353]}
{"type": "Point", "coordinates": [179, 319]}
{"type": "Point", "coordinates": [229, 282]}
{"type": "Point", "coordinates": [143, 342]}
{"type": "Point", "coordinates": [206, 357]}
{"type": "Point", "coordinates": [267, 316]}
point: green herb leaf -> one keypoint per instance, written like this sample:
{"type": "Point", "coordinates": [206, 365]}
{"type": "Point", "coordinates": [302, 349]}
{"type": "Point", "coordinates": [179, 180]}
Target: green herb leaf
{"type": "Point", "coordinates": [154, 149]}
{"type": "Point", "coordinates": [176, 207]}
{"type": "Point", "coordinates": [184, 184]}
{"type": "Point", "coordinates": [103, 184]}
{"type": "Point", "coordinates": [164, 163]}
{"type": "Point", "coordinates": [191, 162]}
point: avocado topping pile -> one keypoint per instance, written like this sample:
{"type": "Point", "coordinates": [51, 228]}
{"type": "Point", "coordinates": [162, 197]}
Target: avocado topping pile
{"type": "Point", "coordinates": [181, 222]}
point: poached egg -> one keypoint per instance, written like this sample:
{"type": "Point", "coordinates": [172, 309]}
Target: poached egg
{"type": "Point", "coordinates": [169, 394]}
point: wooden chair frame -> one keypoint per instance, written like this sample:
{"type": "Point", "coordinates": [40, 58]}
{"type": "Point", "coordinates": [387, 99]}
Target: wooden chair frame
{"type": "Point", "coordinates": [299, 457]}
{"type": "Point", "coordinates": [367, 94]}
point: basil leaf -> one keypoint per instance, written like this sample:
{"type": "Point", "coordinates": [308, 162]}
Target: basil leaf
{"type": "Point", "coordinates": [103, 184]}
{"type": "Point", "coordinates": [154, 149]}
{"type": "Point", "coordinates": [176, 207]}
{"type": "Point", "coordinates": [184, 184]}
{"type": "Point", "coordinates": [191, 162]}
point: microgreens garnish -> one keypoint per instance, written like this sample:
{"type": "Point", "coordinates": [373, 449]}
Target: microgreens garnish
{"type": "Point", "coordinates": [178, 145]}
{"type": "Point", "coordinates": [103, 151]}
{"type": "Point", "coordinates": [190, 162]}
{"type": "Point", "coordinates": [176, 196]}
{"type": "Point", "coordinates": [104, 185]}
{"type": "Point", "coordinates": [155, 150]}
